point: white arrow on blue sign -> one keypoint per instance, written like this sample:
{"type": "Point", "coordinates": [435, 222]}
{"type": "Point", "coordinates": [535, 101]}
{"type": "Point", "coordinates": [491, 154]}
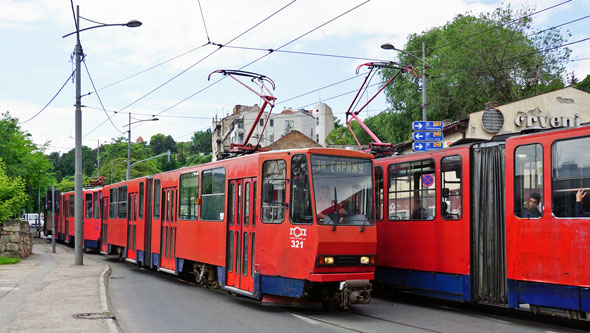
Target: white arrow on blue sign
{"type": "Point", "coordinates": [425, 146]}
{"type": "Point", "coordinates": [427, 136]}
{"type": "Point", "coordinates": [427, 125]}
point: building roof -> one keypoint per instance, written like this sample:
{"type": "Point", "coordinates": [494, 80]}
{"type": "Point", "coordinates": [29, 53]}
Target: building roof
{"type": "Point", "coordinates": [293, 139]}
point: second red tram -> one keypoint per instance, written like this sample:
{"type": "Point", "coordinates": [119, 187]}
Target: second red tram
{"type": "Point", "coordinates": [492, 222]}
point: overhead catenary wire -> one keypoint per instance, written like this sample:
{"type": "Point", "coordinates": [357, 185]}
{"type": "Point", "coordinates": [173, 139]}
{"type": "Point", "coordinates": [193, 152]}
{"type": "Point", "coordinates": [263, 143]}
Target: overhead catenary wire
{"type": "Point", "coordinates": [99, 99]}
{"type": "Point", "coordinates": [51, 100]}
{"type": "Point", "coordinates": [204, 24]}
{"type": "Point", "coordinates": [198, 62]}
{"type": "Point", "coordinates": [303, 53]}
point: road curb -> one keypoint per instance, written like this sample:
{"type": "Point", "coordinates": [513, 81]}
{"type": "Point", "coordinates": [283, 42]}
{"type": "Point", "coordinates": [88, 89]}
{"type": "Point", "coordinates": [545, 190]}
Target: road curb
{"type": "Point", "coordinates": [104, 300]}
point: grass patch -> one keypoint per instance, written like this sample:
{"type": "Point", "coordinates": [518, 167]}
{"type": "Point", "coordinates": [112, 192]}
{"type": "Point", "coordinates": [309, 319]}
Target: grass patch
{"type": "Point", "coordinates": [8, 260]}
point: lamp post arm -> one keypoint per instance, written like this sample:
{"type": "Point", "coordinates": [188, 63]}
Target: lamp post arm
{"type": "Point", "coordinates": [151, 158]}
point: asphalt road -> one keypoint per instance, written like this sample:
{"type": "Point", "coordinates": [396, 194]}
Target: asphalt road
{"type": "Point", "coordinates": [148, 301]}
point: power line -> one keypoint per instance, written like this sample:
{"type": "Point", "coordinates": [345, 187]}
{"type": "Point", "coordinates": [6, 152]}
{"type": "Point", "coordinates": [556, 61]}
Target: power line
{"type": "Point", "coordinates": [99, 99]}
{"type": "Point", "coordinates": [340, 95]}
{"type": "Point", "coordinates": [205, 25]}
{"type": "Point", "coordinates": [318, 89]}
{"type": "Point", "coordinates": [302, 53]}
{"type": "Point", "coordinates": [54, 96]}
{"type": "Point", "coordinates": [500, 25]}
{"type": "Point", "coordinates": [146, 114]}
{"type": "Point", "coordinates": [196, 63]}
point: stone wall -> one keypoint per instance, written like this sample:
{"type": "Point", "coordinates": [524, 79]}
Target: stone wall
{"type": "Point", "coordinates": [15, 239]}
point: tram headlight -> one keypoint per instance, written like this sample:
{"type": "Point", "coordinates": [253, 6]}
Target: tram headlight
{"type": "Point", "coordinates": [325, 260]}
{"type": "Point", "coordinates": [367, 260]}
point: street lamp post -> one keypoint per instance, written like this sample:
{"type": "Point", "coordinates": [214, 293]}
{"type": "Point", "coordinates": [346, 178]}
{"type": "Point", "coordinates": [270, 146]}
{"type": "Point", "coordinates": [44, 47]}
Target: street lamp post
{"type": "Point", "coordinates": [388, 46]}
{"type": "Point", "coordinates": [128, 175]}
{"type": "Point", "coordinates": [78, 259]}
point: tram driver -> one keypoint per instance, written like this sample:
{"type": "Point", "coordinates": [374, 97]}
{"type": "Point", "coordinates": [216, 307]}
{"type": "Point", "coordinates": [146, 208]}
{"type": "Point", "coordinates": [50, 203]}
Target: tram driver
{"type": "Point", "coordinates": [578, 206]}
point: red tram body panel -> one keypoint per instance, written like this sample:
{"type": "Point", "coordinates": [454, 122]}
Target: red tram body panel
{"type": "Point", "coordinates": [462, 223]}
{"type": "Point", "coordinates": [91, 202]}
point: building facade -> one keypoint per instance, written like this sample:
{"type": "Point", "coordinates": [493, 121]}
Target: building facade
{"type": "Point", "coordinates": [234, 128]}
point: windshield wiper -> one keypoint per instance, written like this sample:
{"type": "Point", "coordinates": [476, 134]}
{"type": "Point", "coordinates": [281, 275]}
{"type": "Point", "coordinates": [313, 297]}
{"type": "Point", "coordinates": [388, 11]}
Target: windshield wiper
{"type": "Point", "coordinates": [336, 210]}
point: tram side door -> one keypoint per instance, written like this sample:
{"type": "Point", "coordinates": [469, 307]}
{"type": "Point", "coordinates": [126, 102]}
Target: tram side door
{"type": "Point", "coordinates": [132, 226]}
{"type": "Point", "coordinates": [240, 234]}
{"type": "Point", "coordinates": [168, 228]}
{"type": "Point", "coordinates": [104, 247]}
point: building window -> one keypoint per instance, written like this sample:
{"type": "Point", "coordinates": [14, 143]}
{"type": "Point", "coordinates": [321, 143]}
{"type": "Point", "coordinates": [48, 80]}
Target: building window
{"type": "Point", "coordinates": [412, 189]}
{"type": "Point", "coordinates": [317, 138]}
{"type": "Point", "coordinates": [261, 122]}
{"type": "Point", "coordinates": [317, 120]}
{"type": "Point", "coordinates": [272, 123]}
{"type": "Point", "coordinates": [272, 138]}
{"type": "Point", "coordinates": [189, 192]}
{"type": "Point", "coordinates": [213, 194]}
{"type": "Point", "coordinates": [451, 187]}
{"type": "Point", "coordinates": [570, 164]}
{"type": "Point", "coordinates": [273, 191]}
{"type": "Point", "coordinates": [528, 181]}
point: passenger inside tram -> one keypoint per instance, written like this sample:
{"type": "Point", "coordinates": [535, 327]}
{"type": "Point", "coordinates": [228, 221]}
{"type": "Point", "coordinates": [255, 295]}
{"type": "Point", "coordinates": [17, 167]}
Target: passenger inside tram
{"type": "Point", "coordinates": [578, 206]}
{"type": "Point", "coordinates": [532, 209]}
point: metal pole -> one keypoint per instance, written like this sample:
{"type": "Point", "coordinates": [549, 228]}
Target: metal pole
{"type": "Point", "coordinates": [424, 117]}
{"type": "Point", "coordinates": [78, 259]}
{"type": "Point", "coordinates": [38, 222]}
{"type": "Point", "coordinates": [129, 149]}
{"type": "Point", "coordinates": [53, 218]}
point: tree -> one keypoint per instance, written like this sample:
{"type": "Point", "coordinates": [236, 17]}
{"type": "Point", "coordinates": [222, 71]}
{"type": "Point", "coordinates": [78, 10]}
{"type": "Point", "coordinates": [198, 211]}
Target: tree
{"type": "Point", "coordinates": [473, 60]}
{"type": "Point", "coordinates": [161, 143]}
{"type": "Point", "coordinates": [584, 84]}
{"type": "Point", "coordinates": [12, 194]}
{"type": "Point", "coordinates": [202, 142]}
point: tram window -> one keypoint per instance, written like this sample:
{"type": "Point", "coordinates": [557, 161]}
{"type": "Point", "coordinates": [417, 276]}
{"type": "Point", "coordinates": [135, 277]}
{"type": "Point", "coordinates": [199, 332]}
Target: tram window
{"type": "Point", "coordinates": [229, 264]}
{"type": "Point", "coordinates": [213, 194]}
{"type": "Point", "coordinates": [156, 199]}
{"type": "Point", "coordinates": [379, 192]}
{"type": "Point", "coordinates": [141, 196]}
{"type": "Point", "coordinates": [95, 206]}
{"type": "Point", "coordinates": [247, 204]}
{"type": "Point", "coordinates": [88, 199]}
{"type": "Point", "coordinates": [113, 203]}
{"type": "Point", "coordinates": [300, 209]}
{"type": "Point", "coordinates": [528, 181]}
{"type": "Point", "coordinates": [72, 206]}
{"type": "Point", "coordinates": [412, 189]}
{"type": "Point", "coordinates": [570, 166]}
{"type": "Point", "coordinates": [122, 202]}
{"type": "Point", "coordinates": [273, 191]}
{"type": "Point", "coordinates": [231, 204]}
{"type": "Point", "coordinates": [451, 193]}
{"type": "Point", "coordinates": [254, 206]}
{"type": "Point", "coordinates": [245, 255]}
{"type": "Point", "coordinates": [189, 191]}
{"type": "Point", "coordinates": [238, 218]}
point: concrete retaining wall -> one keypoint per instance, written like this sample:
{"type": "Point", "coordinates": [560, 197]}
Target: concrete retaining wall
{"type": "Point", "coordinates": [15, 239]}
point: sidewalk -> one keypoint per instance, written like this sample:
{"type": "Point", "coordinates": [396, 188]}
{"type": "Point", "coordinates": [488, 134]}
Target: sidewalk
{"type": "Point", "coordinates": [46, 291]}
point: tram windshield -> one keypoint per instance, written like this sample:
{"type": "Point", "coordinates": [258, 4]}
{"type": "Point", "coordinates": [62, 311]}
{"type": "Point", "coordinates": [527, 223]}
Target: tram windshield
{"type": "Point", "coordinates": [343, 190]}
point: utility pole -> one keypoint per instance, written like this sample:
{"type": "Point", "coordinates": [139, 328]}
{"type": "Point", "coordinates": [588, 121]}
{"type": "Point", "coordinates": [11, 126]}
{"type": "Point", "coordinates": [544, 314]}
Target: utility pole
{"type": "Point", "coordinates": [79, 224]}
{"type": "Point", "coordinates": [98, 159]}
{"type": "Point", "coordinates": [424, 117]}
{"type": "Point", "coordinates": [53, 218]}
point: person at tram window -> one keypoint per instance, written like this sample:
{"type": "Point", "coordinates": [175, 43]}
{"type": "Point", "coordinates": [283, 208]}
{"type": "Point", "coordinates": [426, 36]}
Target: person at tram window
{"type": "Point", "coordinates": [578, 205]}
{"type": "Point", "coordinates": [419, 212]}
{"type": "Point", "coordinates": [532, 210]}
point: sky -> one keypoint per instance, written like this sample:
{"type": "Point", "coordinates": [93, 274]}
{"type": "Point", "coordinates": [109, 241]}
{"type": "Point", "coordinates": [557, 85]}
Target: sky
{"type": "Point", "coordinates": [161, 68]}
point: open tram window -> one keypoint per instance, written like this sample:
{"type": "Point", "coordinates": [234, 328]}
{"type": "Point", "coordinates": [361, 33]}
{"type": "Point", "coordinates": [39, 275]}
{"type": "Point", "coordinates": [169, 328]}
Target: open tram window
{"type": "Point", "coordinates": [300, 210]}
{"type": "Point", "coordinates": [213, 194]}
{"type": "Point", "coordinates": [189, 191]}
{"type": "Point", "coordinates": [113, 203]}
{"type": "Point", "coordinates": [451, 193]}
{"type": "Point", "coordinates": [122, 202]}
{"type": "Point", "coordinates": [72, 206]}
{"type": "Point", "coordinates": [273, 191]}
{"type": "Point", "coordinates": [95, 205]}
{"type": "Point", "coordinates": [141, 198]}
{"type": "Point", "coordinates": [570, 167]}
{"type": "Point", "coordinates": [412, 190]}
{"type": "Point", "coordinates": [528, 181]}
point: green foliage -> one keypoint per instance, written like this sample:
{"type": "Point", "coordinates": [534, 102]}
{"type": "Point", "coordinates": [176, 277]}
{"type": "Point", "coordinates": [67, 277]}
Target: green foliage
{"type": "Point", "coordinates": [584, 84]}
{"type": "Point", "coordinates": [161, 143]}
{"type": "Point", "coordinates": [8, 260]}
{"type": "Point", "coordinates": [201, 142]}
{"type": "Point", "coordinates": [23, 159]}
{"type": "Point", "coordinates": [502, 62]}
{"type": "Point", "coordinates": [12, 194]}
{"type": "Point", "coordinates": [197, 159]}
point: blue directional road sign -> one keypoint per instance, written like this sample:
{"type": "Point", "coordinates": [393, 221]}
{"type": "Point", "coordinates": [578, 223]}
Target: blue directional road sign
{"type": "Point", "coordinates": [427, 136]}
{"type": "Point", "coordinates": [425, 146]}
{"type": "Point", "coordinates": [427, 125]}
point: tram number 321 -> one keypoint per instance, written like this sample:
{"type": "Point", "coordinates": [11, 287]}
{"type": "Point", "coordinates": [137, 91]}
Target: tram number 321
{"type": "Point", "coordinates": [297, 236]}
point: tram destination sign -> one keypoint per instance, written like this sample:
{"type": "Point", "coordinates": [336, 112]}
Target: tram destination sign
{"type": "Point", "coordinates": [427, 125]}
{"type": "Point", "coordinates": [426, 146]}
{"type": "Point", "coordinates": [427, 136]}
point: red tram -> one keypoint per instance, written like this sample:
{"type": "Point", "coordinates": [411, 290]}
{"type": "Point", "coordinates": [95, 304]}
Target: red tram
{"type": "Point", "coordinates": [280, 227]}
{"type": "Point", "coordinates": [456, 223]}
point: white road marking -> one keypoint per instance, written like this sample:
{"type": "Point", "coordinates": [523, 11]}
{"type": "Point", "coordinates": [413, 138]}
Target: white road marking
{"type": "Point", "coordinates": [311, 321]}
